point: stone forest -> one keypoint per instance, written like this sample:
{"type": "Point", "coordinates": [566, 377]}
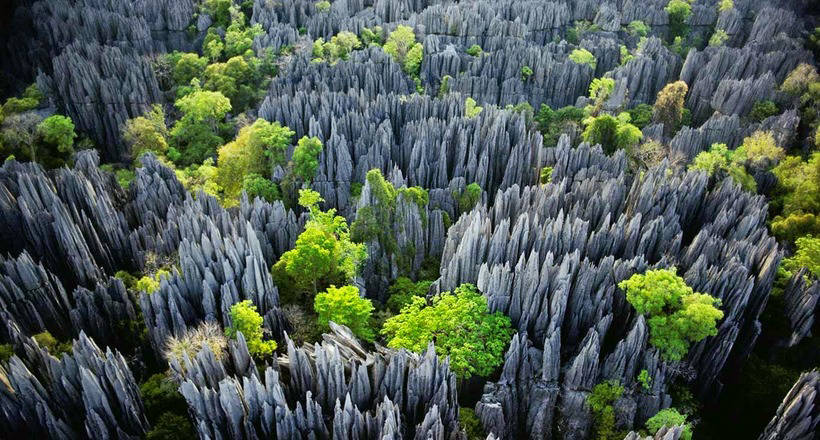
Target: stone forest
{"type": "Point", "coordinates": [410, 219]}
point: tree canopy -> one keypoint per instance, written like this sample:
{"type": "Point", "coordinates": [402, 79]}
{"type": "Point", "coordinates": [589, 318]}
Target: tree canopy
{"type": "Point", "coordinates": [344, 306]}
{"type": "Point", "coordinates": [461, 326]}
{"type": "Point", "coordinates": [245, 319]}
{"type": "Point", "coordinates": [677, 315]}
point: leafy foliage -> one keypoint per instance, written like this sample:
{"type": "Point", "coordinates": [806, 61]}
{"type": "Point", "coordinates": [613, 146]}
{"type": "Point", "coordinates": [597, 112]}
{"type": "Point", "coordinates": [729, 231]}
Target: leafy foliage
{"type": "Point", "coordinates": [611, 133]}
{"type": "Point", "coordinates": [763, 109]}
{"type": "Point", "coordinates": [583, 56]}
{"type": "Point", "coordinates": [638, 27]}
{"type": "Point", "coordinates": [402, 46]}
{"type": "Point", "coordinates": [668, 108]}
{"type": "Point", "coordinates": [471, 424]}
{"type": "Point", "coordinates": [461, 326]}
{"type": "Point", "coordinates": [474, 50]}
{"type": "Point", "coordinates": [807, 255]}
{"type": "Point", "coordinates": [641, 115]}
{"type": "Point", "coordinates": [719, 162]}
{"type": "Point", "coordinates": [469, 197]}
{"type": "Point", "coordinates": [160, 395]}
{"type": "Point", "coordinates": [344, 306]}
{"type": "Point", "coordinates": [799, 201]}
{"type": "Point", "coordinates": [338, 48]}
{"type": "Point", "coordinates": [471, 110]}
{"type": "Point", "coordinates": [245, 319]}
{"type": "Point", "coordinates": [679, 12]}
{"type": "Point", "coordinates": [718, 38]}
{"type": "Point", "coordinates": [195, 134]}
{"type": "Point", "coordinates": [147, 133]}
{"type": "Point", "coordinates": [545, 176]}
{"type": "Point", "coordinates": [669, 417]}
{"type": "Point", "coordinates": [257, 186]}
{"type": "Point", "coordinates": [51, 344]}
{"type": "Point", "coordinates": [58, 131]}
{"type": "Point", "coordinates": [171, 426]}
{"type": "Point", "coordinates": [526, 73]}
{"type": "Point", "coordinates": [306, 157]}
{"type": "Point", "coordinates": [323, 254]}
{"type": "Point", "coordinates": [551, 123]}
{"type": "Point", "coordinates": [645, 380]}
{"type": "Point", "coordinates": [677, 316]}
{"type": "Point", "coordinates": [600, 400]}
{"type": "Point", "coordinates": [402, 292]}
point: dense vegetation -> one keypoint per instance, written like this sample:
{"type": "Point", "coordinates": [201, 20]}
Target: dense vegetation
{"type": "Point", "coordinates": [255, 219]}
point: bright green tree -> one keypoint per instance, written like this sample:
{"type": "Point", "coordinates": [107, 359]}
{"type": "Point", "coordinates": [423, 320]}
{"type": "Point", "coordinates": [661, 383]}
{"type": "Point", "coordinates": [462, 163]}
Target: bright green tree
{"type": "Point", "coordinates": [344, 306]}
{"type": "Point", "coordinates": [306, 157]}
{"type": "Point", "coordinates": [147, 133]}
{"type": "Point", "coordinates": [195, 134]}
{"type": "Point", "coordinates": [471, 110]}
{"type": "Point", "coordinates": [583, 56]}
{"type": "Point", "coordinates": [807, 255]}
{"type": "Point", "coordinates": [678, 12]}
{"type": "Point", "coordinates": [58, 131]}
{"type": "Point", "coordinates": [720, 162]}
{"type": "Point", "coordinates": [402, 46]}
{"type": "Point", "coordinates": [600, 401]}
{"type": "Point", "coordinates": [323, 253]}
{"type": "Point", "coordinates": [257, 186]}
{"type": "Point", "coordinates": [669, 417]}
{"type": "Point", "coordinates": [245, 319]}
{"type": "Point", "coordinates": [677, 315]}
{"type": "Point", "coordinates": [799, 183]}
{"type": "Point", "coordinates": [460, 325]}
{"type": "Point", "coordinates": [186, 67]}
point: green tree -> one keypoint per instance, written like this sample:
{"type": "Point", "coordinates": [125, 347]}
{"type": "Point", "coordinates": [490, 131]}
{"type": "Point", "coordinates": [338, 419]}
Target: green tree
{"type": "Point", "coordinates": [669, 417]}
{"type": "Point", "coordinates": [58, 132]}
{"type": "Point", "coordinates": [471, 110]}
{"type": "Point", "coordinates": [638, 27]}
{"type": "Point", "coordinates": [799, 79]}
{"type": "Point", "coordinates": [583, 56]}
{"type": "Point", "coordinates": [551, 123]}
{"type": "Point", "coordinates": [641, 115]}
{"type": "Point", "coordinates": [461, 326]}
{"type": "Point", "coordinates": [257, 186]}
{"type": "Point", "coordinates": [402, 292]}
{"type": "Point", "coordinates": [677, 316]}
{"type": "Point", "coordinates": [239, 37]}
{"type": "Point", "coordinates": [678, 12]}
{"type": "Point", "coordinates": [344, 306]}
{"type": "Point", "coordinates": [171, 426]}
{"type": "Point", "coordinates": [402, 46]}
{"type": "Point", "coordinates": [807, 255]}
{"type": "Point", "coordinates": [474, 50]}
{"type": "Point", "coordinates": [799, 198]}
{"type": "Point", "coordinates": [469, 197]}
{"type": "Point", "coordinates": [147, 133]}
{"type": "Point", "coordinates": [187, 66]}
{"type": "Point", "coordinates": [306, 157]}
{"type": "Point", "coordinates": [323, 253]}
{"type": "Point", "coordinates": [720, 162]}
{"type": "Point", "coordinates": [718, 38]}
{"type": "Point", "coordinates": [245, 319]}
{"type": "Point", "coordinates": [668, 108]}
{"type": "Point", "coordinates": [645, 380]}
{"type": "Point", "coordinates": [526, 73]}
{"type": "Point", "coordinates": [600, 401]}
{"type": "Point", "coordinates": [160, 395]}
{"type": "Point", "coordinates": [195, 134]}
{"type": "Point", "coordinates": [725, 5]}
{"type": "Point", "coordinates": [760, 148]}
{"type": "Point", "coordinates": [372, 37]}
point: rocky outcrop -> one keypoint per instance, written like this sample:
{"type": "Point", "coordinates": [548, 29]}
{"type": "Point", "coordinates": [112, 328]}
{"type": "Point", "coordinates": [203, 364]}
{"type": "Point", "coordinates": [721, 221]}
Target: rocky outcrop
{"type": "Point", "coordinates": [798, 417]}
{"type": "Point", "coordinates": [341, 390]}
{"type": "Point", "coordinates": [801, 305]}
{"type": "Point", "coordinates": [88, 393]}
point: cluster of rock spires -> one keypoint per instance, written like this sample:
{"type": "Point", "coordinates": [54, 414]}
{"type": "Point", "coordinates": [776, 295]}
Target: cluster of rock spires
{"type": "Point", "coordinates": [547, 256]}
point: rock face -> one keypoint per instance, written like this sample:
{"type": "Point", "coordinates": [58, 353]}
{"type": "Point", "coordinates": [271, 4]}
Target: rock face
{"type": "Point", "coordinates": [362, 394]}
{"type": "Point", "coordinates": [798, 417]}
{"type": "Point", "coordinates": [88, 394]}
{"type": "Point", "coordinates": [550, 257]}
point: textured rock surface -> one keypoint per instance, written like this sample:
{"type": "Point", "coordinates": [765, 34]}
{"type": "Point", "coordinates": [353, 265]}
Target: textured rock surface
{"type": "Point", "coordinates": [798, 417]}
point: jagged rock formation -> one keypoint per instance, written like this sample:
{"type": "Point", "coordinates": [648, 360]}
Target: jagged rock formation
{"type": "Point", "coordinates": [798, 417]}
{"type": "Point", "coordinates": [801, 301]}
{"type": "Point", "coordinates": [66, 219]}
{"type": "Point", "coordinates": [361, 394]}
{"type": "Point", "coordinates": [88, 393]}
{"type": "Point", "coordinates": [550, 257]}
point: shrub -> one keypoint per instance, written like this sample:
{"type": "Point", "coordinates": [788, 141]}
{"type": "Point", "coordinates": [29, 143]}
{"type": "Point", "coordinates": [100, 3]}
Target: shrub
{"type": "Point", "coordinates": [322, 6]}
{"type": "Point", "coordinates": [638, 27]}
{"type": "Point", "coordinates": [725, 5]}
{"type": "Point", "coordinates": [471, 424]}
{"type": "Point", "coordinates": [763, 109]}
{"type": "Point", "coordinates": [193, 340]}
{"type": "Point", "coordinates": [474, 50]}
{"type": "Point", "coordinates": [677, 316]}
{"type": "Point", "coordinates": [402, 292]}
{"type": "Point", "coordinates": [574, 34]}
{"type": "Point", "coordinates": [6, 352]}
{"type": "Point", "coordinates": [461, 326]}
{"type": "Point", "coordinates": [641, 115]}
{"type": "Point", "coordinates": [160, 395]}
{"type": "Point", "coordinates": [669, 417]}
{"type": "Point", "coordinates": [373, 36]}
{"type": "Point", "coordinates": [545, 176]}
{"type": "Point", "coordinates": [58, 131]}
{"type": "Point", "coordinates": [583, 56]}
{"type": "Point", "coordinates": [245, 319]}
{"type": "Point", "coordinates": [255, 185]}
{"type": "Point", "coordinates": [678, 11]}
{"type": "Point", "coordinates": [471, 110]}
{"type": "Point", "coordinates": [146, 133]}
{"type": "Point", "coordinates": [718, 38]}
{"type": "Point", "coordinates": [798, 80]}
{"type": "Point", "coordinates": [51, 344]}
{"type": "Point", "coordinates": [171, 426]}
{"type": "Point", "coordinates": [668, 108]}
{"type": "Point", "coordinates": [344, 306]}
{"type": "Point", "coordinates": [760, 148]}
{"type": "Point", "coordinates": [600, 400]}
{"type": "Point", "coordinates": [306, 157]}
{"type": "Point", "coordinates": [469, 197]}
{"type": "Point", "coordinates": [402, 46]}
{"type": "Point", "coordinates": [551, 123]}
{"type": "Point", "coordinates": [526, 73]}
{"type": "Point", "coordinates": [807, 255]}
{"type": "Point", "coordinates": [611, 133]}
{"type": "Point", "coordinates": [645, 380]}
